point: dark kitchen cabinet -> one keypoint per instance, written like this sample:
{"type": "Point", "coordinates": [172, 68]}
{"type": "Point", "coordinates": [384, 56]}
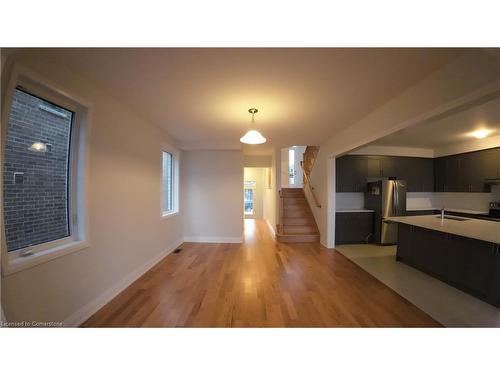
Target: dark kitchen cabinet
{"type": "Point", "coordinates": [417, 172]}
{"type": "Point", "coordinates": [388, 164]}
{"type": "Point", "coordinates": [353, 227]}
{"type": "Point", "coordinates": [381, 166]}
{"type": "Point", "coordinates": [490, 163]}
{"type": "Point", "coordinates": [351, 171]}
{"type": "Point", "coordinates": [467, 172]}
{"type": "Point", "coordinates": [476, 261]}
{"type": "Point", "coordinates": [495, 284]}
{"type": "Point", "coordinates": [453, 174]}
{"type": "Point", "coordinates": [468, 264]}
{"type": "Point", "coordinates": [440, 174]}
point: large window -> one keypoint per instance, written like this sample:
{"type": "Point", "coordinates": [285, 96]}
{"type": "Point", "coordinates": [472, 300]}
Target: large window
{"type": "Point", "coordinates": [169, 184]}
{"type": "Point", "coordinates": [44, 180]}
{"type": "Point", "coordinates": [36, 175]}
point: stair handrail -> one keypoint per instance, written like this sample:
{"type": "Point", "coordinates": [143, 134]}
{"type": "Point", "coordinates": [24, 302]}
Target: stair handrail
{"type": "Point", "coordinates": [309, 184]}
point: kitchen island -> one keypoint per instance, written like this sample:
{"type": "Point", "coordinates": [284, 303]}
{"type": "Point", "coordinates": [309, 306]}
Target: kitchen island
{"type": "Point", "coordinates": [462, 252]}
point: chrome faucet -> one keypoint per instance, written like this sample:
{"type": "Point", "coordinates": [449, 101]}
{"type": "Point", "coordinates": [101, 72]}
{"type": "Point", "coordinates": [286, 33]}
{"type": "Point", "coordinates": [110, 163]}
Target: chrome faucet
{"type": "Point", "coordinates": [442, 213]}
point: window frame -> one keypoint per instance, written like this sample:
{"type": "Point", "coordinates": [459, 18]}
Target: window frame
{"type": "Point", "coordinates": [175, 182]}
{"type": "Point", "coordinates": [36, 85]}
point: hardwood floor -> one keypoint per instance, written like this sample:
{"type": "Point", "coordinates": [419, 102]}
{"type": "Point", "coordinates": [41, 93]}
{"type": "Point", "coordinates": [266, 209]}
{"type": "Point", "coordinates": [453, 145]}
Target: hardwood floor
{"type": "Point", "coordinates": [260, 283]}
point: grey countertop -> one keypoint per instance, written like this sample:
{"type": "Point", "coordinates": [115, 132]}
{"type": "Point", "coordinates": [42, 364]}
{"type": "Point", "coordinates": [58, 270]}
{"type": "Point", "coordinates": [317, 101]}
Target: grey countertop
{"type": "Point", "coordinates": [450, 209]}
{"type": "Point", "coordinates": [483, 230]}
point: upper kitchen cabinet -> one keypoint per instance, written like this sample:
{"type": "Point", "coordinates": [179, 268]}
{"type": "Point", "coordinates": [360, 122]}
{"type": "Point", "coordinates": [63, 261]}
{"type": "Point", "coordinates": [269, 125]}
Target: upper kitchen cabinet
{"type": "Point", "coordinates": [353, 171]}
{"type": "Point", "coordinates": [417, 172]}
{"type": "Point", "coordinates": [490, 163]}
{"type": "Point", "coordinates": [468, 172]}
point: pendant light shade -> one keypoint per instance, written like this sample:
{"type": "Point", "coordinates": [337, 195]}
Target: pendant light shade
{"type": "Point", "coordinates": [253, 137]}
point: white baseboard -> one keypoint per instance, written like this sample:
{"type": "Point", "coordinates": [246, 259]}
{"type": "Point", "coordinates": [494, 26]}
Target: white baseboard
{"type": "Point", "coordinates": [81, 315]}
{"type": "Point", "coordinates": [271, 228]}
{"type": "Point", "coordinates": [213, 239]}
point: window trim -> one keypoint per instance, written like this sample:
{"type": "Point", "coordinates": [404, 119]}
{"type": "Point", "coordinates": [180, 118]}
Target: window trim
{"type": "Point", "coordinates": [37, 85]}
{"type": "Point", "coordinates": [175, 182]}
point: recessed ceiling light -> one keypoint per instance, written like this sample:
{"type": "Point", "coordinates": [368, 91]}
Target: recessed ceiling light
{"type": "Point", "coordinates": [481, 133]}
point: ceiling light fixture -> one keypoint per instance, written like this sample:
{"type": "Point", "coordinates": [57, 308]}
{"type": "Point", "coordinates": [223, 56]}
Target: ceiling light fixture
{"type": "Point", "coordinates": [481, 133]}
{"type": "Point", "coordinates": [253, 137]}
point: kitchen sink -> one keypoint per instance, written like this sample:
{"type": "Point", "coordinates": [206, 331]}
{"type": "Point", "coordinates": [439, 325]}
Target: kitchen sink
{"type": "Point", "coordinates": [456, 218]}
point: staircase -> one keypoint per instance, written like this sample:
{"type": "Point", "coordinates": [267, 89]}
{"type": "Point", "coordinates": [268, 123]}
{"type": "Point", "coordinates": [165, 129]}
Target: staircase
{"type": "Point", "coordinates": [297, 222]}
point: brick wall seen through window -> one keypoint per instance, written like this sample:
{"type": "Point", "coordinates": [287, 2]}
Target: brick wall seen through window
{"type": "Point", "coordinates": [36, 167]}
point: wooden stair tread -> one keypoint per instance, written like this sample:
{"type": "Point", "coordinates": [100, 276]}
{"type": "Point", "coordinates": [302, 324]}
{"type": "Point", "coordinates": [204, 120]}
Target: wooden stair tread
{"type": "Point", "coordinates": [298, 223]}
{"type": "Point", "coordinates": [298, 237]}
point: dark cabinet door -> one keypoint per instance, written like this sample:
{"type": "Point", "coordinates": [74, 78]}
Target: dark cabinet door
{"type": "Point", "coordinates": [440, 174]}
{"type": "Point", "coordinates": [340, 179]}
{"type": "Point", "coordinates": [351, 173]}
{"type": "Point", "coordinates": [388, 166]}
{"type": "Point", "coordinates": [476, 260]}
{"type": "Point", "coordinates": [453, 175]}
{"type": "Point", "coordinates": [490, 163]}
{"type": "Point", "coordinates": [494, 292]}
{"type": "Point", "coordinates": [471, 167]}
{"type": "Point", "coordinates": [417, 172]}
{"type": "Point", "coordinates": [353, 227]}
{"type": "Point", "coordinates": [359, 174]}
{"type": "Point", "coordinates": [432, 253]}
{"type": "Point", "coordinates": [426, 174]}
{"type": "Point", "coordinates": [405, 243]}
{"type": "Point", "coordinates": [373, 166]}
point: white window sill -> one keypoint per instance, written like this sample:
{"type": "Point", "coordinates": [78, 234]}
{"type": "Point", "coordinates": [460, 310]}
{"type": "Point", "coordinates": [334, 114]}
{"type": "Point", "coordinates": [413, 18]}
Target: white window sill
{"type": "Point", "coordinates": [169, 214]}
{"type": "Point", "coordinates": [22, 263]}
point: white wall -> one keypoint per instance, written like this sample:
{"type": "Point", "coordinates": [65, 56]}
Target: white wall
{"type": "Point", "coordinates": [212, 196]}
{"type": "Point", "coordinates": [126, 231]}
{"type": "Point", "coordinates": [258, 161]}
{"type": "Point", "coordinates": [394, 151]}
{"type": "Point", "coordinates": [271, 198]}
{"type": "Point", "coordinates": [466, 201]}
{"type": "Point", "coordinates": [473, 145]}
{"type": "Point", "coordinates": [284, 168]}
{"type": "Point", "coordinates": [443, 88]}
{"type": "Point", "coordinates": [349, 201]}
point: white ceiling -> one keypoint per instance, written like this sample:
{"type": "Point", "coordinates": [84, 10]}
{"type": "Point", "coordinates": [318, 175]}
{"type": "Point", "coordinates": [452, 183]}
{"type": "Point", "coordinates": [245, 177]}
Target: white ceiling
{"type": "Point", "coordinates": [453, 129]}
{"type": "Point", "coordinates": [201, 96]}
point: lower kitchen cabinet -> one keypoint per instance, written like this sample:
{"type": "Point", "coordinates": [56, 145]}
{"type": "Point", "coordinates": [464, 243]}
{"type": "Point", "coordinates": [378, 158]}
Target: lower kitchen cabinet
{"type": "Point", "coordinates": [468, 264]}
{"type": "Point", "coordinates": [353, 227]}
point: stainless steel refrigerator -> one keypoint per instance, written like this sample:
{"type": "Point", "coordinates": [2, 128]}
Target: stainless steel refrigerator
{"type": "Point", "coordinates": [387, 198]}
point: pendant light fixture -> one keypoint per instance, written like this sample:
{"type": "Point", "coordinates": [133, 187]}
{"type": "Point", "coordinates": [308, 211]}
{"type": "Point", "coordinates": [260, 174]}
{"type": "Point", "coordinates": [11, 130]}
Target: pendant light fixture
{"type": "Point", "coordinates": [253, 137]}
